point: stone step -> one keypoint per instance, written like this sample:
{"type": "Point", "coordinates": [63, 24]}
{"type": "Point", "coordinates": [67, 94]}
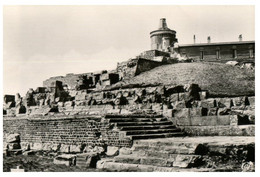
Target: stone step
{"type": "Point", "coordinates": [160, 135]}
{"type": "Point", "coordinates": [175, 160]}
{"type": "Point", "coordinates": [157, 131]}
{"type": "Point", "coordinates": [125, 167]}
{"type": "Point", "coordinates": [166, 143]}
{"type": "Point", "coordinates": [141, 119]}
{"type": "Point", "coordinates": [122, 124]}
{"type": "Point", "coordinates": [146, 127]}
{"type": "Point", "coordinates": [132, 116]}
{"type": "Point", "coordinates": [161, 151]}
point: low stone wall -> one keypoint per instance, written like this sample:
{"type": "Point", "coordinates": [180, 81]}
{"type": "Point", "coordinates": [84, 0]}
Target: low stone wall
{"type": "Point", "coordinates": [65, 130]}
{"type": "Point", "coordinates": [242, 130]}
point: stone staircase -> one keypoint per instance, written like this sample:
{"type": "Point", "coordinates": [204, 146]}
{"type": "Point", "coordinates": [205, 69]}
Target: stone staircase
{"type": "Point", "coordinates": [157, 155]}
{"type": "Point", "coordinates": [139, 126]}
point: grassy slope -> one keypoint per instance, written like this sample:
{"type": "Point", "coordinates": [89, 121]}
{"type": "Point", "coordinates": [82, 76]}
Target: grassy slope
{"type": "Point", "coordinates": [219, 79]}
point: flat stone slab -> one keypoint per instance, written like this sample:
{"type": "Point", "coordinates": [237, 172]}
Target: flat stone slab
{"type": "Point", "coordinates": [210, 140]}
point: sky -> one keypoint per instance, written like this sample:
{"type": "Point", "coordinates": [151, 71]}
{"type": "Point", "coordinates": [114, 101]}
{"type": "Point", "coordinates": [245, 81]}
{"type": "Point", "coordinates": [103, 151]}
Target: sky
{"type": "Point", "coordinates": [44, 41]}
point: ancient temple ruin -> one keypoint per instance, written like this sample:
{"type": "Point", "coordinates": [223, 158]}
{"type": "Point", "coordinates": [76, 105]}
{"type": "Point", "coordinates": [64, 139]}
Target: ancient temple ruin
{"type": "Point", "coordinates": [117, 112]}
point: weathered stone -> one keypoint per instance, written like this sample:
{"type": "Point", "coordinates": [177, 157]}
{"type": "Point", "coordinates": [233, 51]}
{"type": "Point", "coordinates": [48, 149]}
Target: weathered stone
{"type": "Point", "coordinates": [203, 95]}
{"type": "Point", "coordinates": [60, 104]}
{"type": "Point", "coordinates": [224, 111]}
{"type": "Point", "coordinates": [251, 101]}
{"type": "Point", "coordinates": [65, 159]}
{"type": "Point", "coordinates": [11, 112]}
{"type": "Point", "coordinates": [125, 151]}
{"type": "Point", "coordinates": [208, 103]}
{"type": "Point", "coordinates": [239, 101]}
{"type": "Point", "coordinates": [224, 102]}
{"type": "Point", "coordinates": [15, 145]}
{"type": "Point", "coordinates": [183, 96]}
{"type": "Point", "coordinates": [181, 116]}
{"type": "Point", "coordinates": [179, 105]}
{"type": "Point", "coordinates": [69, 104]}
{"type": "Point", "coordinates": [64, 148]}
{"type": "Point", "coordinates": [168, 113]}
{"type": "Point", "coordinates": [185, 161]}
{"type": "Point", "coordinates": [31, 152]}
{"type": "Point", "coordinates": [195, 112]}
{"type": "Point", "coordinates": [55, 147]}
{"type": "Point", "coordinates": [36, 146]}
{"type": "Point", "coordinates": [233, 120]}
{"type": "Point", "coordinates": [112, 151]}
{"type": "Point", "coordinates": [212, 111]}
{"type": "Point", "coordinates": [46, 146]}
{"type": "Point", "coordinates": [12, 138]}
{"type": "Point", "coordinates": [25, 146]}
{"type": "Point", "coordinates": [76, 148]}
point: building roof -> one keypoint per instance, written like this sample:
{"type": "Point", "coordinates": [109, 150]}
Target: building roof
{"type": "Point", "coordinates": [216, 43]}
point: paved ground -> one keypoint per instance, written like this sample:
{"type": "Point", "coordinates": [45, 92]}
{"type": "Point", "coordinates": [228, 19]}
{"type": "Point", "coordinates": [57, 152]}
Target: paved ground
{"type": "Point", "coordinates": [211, 140]}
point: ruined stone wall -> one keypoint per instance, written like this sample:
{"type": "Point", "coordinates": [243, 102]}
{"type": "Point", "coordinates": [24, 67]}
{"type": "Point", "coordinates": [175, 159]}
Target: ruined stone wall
{"type": "Point", "coordinates": [65, 130]}
{"type": "Point", "coordinates": [146, 65]}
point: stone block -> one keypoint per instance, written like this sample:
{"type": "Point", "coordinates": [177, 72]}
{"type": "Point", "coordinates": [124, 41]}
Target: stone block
{"type": "Point", "coordinates": [25, 146]}
{"type": "Point", "coordinates": [80, 96]}
{"type": "Point", "coordinates": [204, 121]}
{"type": "Point", "coordinates": [224, 102]}
{"type": "Point", "coordinates": [212, 111]}
{"type": "Point", "coordinates": [168, 113]}
{"type": "Point", "coordinates": [55, 147]}
{"type": "Point", "coordinates": [194, 112]}
{"type": "Point", "coordinates": [157, 107]}
{"type": "Point", "coordinates": [112, 151]}
{"type": "Point", "coordinates": [13, 146]}
{"type": "Point", "coordinates": [224, 111]}
{"type": "Point", "coordinates": [64, 148]}
{"type": "Point", "coordinates": [76, 148]}
{"type": "Point", "coordinates": [179, 105]}
{"type": "Point", "coordinates": [69, 104]}
{"type": "Point", "coordinates": [251, 101]}
{"type": "Point", "coordinates": [223, 120]}
{"type": "Point", "coordinates": [203, 95]}
{"type": "Point", "coordinates": [233, 120]}
{"type": "Point", "coordinates": [208, 103]}
{"type": "Point", "coordinates": [185, 112]}
{"type": "Point", "coordinates": [36, 146]}
{"type": "Point", "coordinates": [11, 112]}
{"type": "Point", "coordinates": [65, 159]}
{"type": "Point", "coordinates": [60, 104]}
{"type": "Point", "coordinates": [12, 138]}
{"type": "Point", "coordinates": [183, 96]}
{"type": "Point", "coordinates": [46, 146]}
{"type": "Point", "coordinates": [125, 151]}
{"type": "Point", "coordinates": [9, 98]}
{"type": "Point", "coordinates": [185, 161]}
{"type": "Point", "coordinates": [239, 101]}
{"type": "Point", "coordinates": [174, 97]}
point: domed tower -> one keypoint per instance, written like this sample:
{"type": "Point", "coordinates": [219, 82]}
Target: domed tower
{"type": "Point", "coordinates": [163, 38]}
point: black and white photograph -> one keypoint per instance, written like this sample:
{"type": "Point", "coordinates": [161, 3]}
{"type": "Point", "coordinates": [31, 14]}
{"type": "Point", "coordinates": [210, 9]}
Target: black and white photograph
{"type": "Point", "coordinates": [128, 88]}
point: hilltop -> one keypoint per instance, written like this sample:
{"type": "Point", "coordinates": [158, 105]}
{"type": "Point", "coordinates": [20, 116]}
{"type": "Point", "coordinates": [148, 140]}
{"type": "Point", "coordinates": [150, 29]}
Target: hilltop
{"type": "Point", "coordinates": [219, 79]}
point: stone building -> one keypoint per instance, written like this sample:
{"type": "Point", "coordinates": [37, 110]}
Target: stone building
{"type": "Point", "coordinates": [163, 38]}
{"type": "Point", "coordinates": [219, 52]}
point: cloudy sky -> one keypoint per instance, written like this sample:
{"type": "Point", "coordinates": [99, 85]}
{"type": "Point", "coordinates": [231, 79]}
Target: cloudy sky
{"type": "Point", "coordinates": [44, 41]}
